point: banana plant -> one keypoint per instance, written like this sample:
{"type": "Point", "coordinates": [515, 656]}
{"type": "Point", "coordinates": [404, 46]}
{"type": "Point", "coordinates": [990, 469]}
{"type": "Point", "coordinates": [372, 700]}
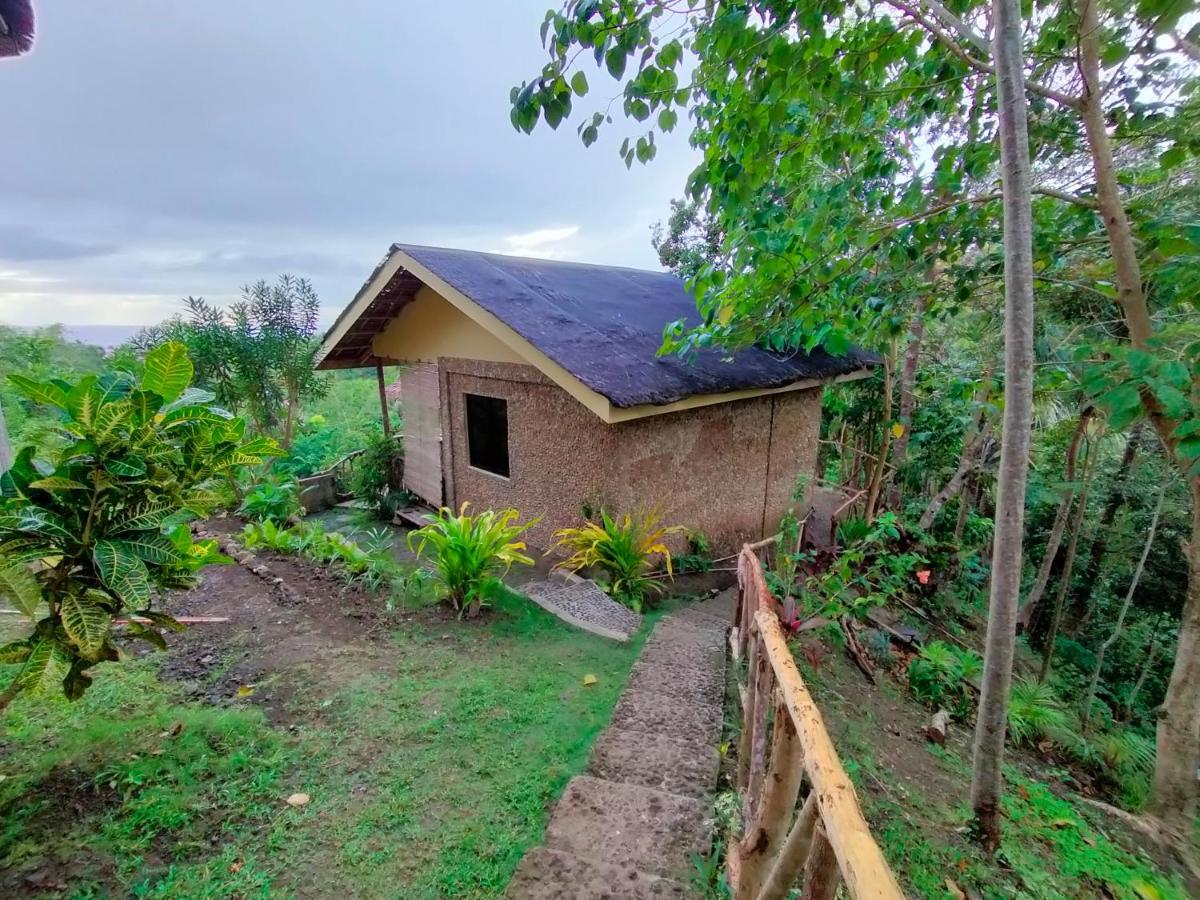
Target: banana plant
{"type": "Point", "coordinates": [93, 532]}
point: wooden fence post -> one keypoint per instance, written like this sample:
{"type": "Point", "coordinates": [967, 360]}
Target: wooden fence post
{"type": "Point", "coordinates": [764, 681]}
{"type": "Point", "coordinates": [821, 876]}
{"type": "Point", "coordinates": [748, 704]}
{"type": "Point", "coordinates": [793, 854]}
{"type": "Point", "coordinates": [784, 775]}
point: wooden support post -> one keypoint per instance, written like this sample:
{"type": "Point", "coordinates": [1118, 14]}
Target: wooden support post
{"type": "Point", "coordinates": [862, 864]}
{"type": "Point", "coordinates": [784, 775]}
{"type": "Point", "coordinates": [748, 703]}
{"type": "Point", "coordinates": [764, 682]}
{"type": "Point", "coordinates": [821, 876]}
{"type": "Point", "coordinates": [383, 403]}
{"type": "Point", "coordinates": [789, 863]}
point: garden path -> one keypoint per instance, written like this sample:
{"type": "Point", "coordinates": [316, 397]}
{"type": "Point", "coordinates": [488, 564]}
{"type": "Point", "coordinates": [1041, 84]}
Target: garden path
{"type": "Point", "coordinates": [630, 825]}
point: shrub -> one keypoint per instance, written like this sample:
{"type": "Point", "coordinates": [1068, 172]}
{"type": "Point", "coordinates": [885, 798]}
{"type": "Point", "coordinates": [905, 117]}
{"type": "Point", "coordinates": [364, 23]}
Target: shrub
{"type": "Point", "coordinates": [275, 497]}
{"type": "Point", "coordinates": [938, 676]}
{"type": "Point", "coordinates": [1036, 713]}
{"type": "Point", "coordinates": [698, 557]}
{"type": "Point", "coordinates": [371, 480]}
{"type": "Point", "coordinates": [623, 550]}
{"type": "Point", "coordinates": [369, 565]}
{"type": "Point", "coordinates": [89, 533]}
{"type": "Point", "coordinates": [472, 552]}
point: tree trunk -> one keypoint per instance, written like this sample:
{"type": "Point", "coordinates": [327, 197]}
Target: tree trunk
{"type": "Point", "coordinates": [1058, 528]}
{"type": "Point", "coordinates": [1173, 794]}
{"type": "Point", "coordinates": [964, 509]}
{"type": "Point", "coordinates": [287, 422]}
{"type": "Point", "coordinates": [875, 485]}
{"type": "Point", "coordinates": [1068, 566]}
{"type": "Point", "coordinates": [988, 756]}
{"type": "Point", "coordinates": [6, 452]}
{"type": "Point", "coordinates": [1144, 672]}
{"type": "Point", "coordinates": [1119, 626]}
{"type": "Point", "coordinates": [908, 396]}
{"type": "Point", "coordinates": [967, 463]}
{"type": "Point", "coordinates": [1081, 595]}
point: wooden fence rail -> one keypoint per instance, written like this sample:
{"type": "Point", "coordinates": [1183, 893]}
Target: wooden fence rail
{"type": "Point", "coordinates": [819, 841]}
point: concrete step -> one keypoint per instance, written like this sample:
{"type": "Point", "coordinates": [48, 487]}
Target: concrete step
{"type": "Point", "coordinates": [676, 765]}
{"type": "Point", "coordinates": [546, 874]}
{"type": "Point", "coordinates": [687, 684]}
{"type": "Point", "coordinates": [655, 713]}
{"type": "Point", "coordinates": [694, 615]}
{"type": "Point", "coordinates": [663, 649]}
{"type": "Point", "coordinates": [611, 823]}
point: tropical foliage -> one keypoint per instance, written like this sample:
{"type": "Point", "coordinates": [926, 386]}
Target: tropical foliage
{"type": "Point", "coordinates": [471, 552]}
{"type": "Point", "coordinates": [90, 531]}
{"type": "Point", "coordinates": [369, 564]}
{"type": "Point", "coordinates": [849, 191]}
{"type": "Point", "coordinates": [258, 356]}
{"type": "Point", "coordinates": [624, 551]}
{"type": "Point", "coordinates": [272, 498]}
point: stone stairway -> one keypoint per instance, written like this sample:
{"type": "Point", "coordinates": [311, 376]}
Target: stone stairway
{"type": "Point", "coordinates": [629, 826]}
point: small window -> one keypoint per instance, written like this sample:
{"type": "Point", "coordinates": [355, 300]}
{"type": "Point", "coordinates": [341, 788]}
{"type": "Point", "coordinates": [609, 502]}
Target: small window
{"type": "Point", "coordinates": [487, 433]}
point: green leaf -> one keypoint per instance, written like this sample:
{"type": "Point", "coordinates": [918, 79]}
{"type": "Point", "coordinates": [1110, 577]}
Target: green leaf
{"type": "Point", "coordinates": [163, 620]}
{"type": "Point", "coordinates": [153, 548]}
{"type": "Point", "coordinates": [19, 587]}
{"type": "Point", "coordinates": [615, 60]}
{"type": "Point", "coordinates": [86, 623]}
{"type": "Point", "coordinates": [122, 571]}
{"type": "Point", "coordinates": [579, 83]}
{"type": "Point", "coordinates": [143, 519]}
{"type": "Point", "coordinates": [129, 467]}
{"type": "Point", "coordinates": [14, 652]}
{"type": "Point", "coordinates": [39, 391]}
{"type": "Point", "coordinates": [168, 370]}
{"type": "Point", "coordinates": [193, 396]}
{"type": "Point", "coordinates": [45, 668]}
{"type": "Point", "coordinates": [35, 520]}
{"type": "Point", "coordinates": [262, 446]}
{"type": "Point", "coordinates": [57, 483]}
{"type": "Point", "coordinates": [147, 634]}
{"type": "Point", "coordinates": [667, 119]}
{"type": "Point", "coordinates": [186, 414]}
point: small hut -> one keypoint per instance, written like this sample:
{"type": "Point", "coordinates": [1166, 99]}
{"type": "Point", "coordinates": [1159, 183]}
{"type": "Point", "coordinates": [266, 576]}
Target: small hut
{"type": "Point", "coordinates": [537, 384]}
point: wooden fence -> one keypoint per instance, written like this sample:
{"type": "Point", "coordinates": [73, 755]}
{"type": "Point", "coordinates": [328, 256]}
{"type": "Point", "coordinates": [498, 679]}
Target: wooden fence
{"type": "Point", "coordinates": [823, 840]}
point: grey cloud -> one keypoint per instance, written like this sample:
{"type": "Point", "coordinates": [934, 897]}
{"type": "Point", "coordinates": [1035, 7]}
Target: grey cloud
{"type": "Point", "coordinates": [20, 244]}
{"type": "Point", "coordinates": [281, 136]}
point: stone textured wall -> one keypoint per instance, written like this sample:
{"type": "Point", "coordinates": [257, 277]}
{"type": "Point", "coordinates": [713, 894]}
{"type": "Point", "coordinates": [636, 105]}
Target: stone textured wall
{"type": "Point", "coordinates": [711, 468]}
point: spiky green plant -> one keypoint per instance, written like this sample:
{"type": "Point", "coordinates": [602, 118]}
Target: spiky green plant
{"type": "Point", "coordinates": [625, 550]}
{"type": "Point", "coordinates": [471, 552]}
{"type": "Point", "coordinates": [1035, 712]}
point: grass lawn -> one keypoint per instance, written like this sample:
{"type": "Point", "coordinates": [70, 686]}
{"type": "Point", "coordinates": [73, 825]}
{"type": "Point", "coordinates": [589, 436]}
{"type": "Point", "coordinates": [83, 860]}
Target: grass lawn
{"type": "Point", "coordinates": [428, 776]}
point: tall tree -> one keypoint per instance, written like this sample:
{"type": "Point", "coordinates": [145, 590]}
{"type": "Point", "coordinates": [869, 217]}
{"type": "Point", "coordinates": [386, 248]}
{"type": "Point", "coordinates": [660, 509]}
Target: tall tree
{"type": "Point", "coordinates": [987, 781]}
{"type": "Point", "coordinates": [846, 147]}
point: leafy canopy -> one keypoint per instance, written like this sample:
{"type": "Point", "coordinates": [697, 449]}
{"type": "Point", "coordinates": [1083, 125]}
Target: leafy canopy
{"type": "Point", "coordinates": [89, 534]}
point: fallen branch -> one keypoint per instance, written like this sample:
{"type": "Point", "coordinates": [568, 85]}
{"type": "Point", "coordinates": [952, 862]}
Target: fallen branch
{"type": "Point", "coordinates": [857, 653]}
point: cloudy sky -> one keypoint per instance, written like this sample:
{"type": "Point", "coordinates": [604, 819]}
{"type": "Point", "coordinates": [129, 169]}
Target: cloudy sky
{"type": "Point", "coordinates": [158, 149]}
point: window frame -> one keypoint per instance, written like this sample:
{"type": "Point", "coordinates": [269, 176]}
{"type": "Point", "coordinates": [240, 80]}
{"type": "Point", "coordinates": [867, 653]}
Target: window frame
{"type": "Point", "coordinates": [499, 409]}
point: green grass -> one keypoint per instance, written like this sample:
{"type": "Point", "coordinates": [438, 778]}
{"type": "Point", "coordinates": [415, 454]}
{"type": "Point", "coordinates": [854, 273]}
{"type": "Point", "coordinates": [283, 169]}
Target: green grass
{"type": "Point", "coordinates": [428, 779]}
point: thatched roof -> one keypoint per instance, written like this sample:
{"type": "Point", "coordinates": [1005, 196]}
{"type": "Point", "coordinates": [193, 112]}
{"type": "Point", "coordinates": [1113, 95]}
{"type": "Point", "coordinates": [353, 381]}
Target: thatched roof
{"type": "Point", "coordinates": [16, 27]}
{"type": "Point", "coordinates": [603, 324]}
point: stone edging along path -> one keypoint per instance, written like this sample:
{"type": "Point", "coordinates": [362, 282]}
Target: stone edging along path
{"type": "Point", "coordinates": [630, 825]}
